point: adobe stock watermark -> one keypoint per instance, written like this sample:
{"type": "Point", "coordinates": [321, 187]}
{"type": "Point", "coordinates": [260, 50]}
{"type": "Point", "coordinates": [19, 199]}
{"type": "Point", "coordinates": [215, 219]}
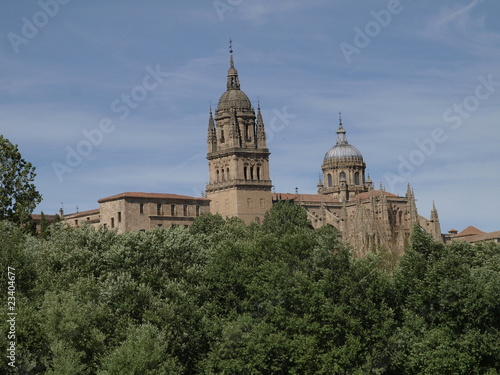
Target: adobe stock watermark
{"type": "Point", "coordinates": [31, 26]}
{"type": "Point", "coordinates": [223, 6]}
{"type": "Point", "coordinates": [278, 123]}
{"type": "Point", "coordinates": [11, 316]}
{"type": "Point", "coordinates": [364, 36]}
{"type": "Point", "coordinates": [121, 106]}
{"type": "Point", "coordinates": [454, 116]}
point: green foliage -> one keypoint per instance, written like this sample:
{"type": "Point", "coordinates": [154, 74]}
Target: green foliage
{"type": "Point", "coordinates": [285, 217]}
{"type": "Point", "coordinates": [44, 226]}
{"type": "Point", "coordinates": [224, 297]}
{"type": "Point", "coordinates": [143, 352]}
{"type": "Point", "coordinates": [207, 224]}
{"type": "Point", "coordinates": [18, 195]}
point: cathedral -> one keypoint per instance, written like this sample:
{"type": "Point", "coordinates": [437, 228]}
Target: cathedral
{"type": "Point", "coordinates": [240, 185]}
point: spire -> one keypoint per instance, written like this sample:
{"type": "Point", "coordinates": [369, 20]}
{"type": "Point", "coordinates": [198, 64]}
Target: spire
{"type": "Point", "coordinates": [369, 182]}
{"type": "Point", "coordinates": [233, 83]}
{"type": "Point", "coordinates": [412, 207]}
{"type": "Point", "coordinates": [320, 186]}
{"type": "Point", "coordinates": [231, 52]}
{"type": "Point", "coordinates": [434, 213]}
{"type": "Point", "coordinates": [260, 131]}
{"type": "Point", "coordinates": [234, 130]}
{"type": "Point", "coordinates": [341, 138]}
{"type": "Point", "coordinates": [408, 191]}
{"type": "Point", "coordinates": [212, 136]}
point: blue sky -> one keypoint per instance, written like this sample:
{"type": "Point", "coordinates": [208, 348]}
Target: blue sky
{"type": "Point", "coordinates": [418, 84]}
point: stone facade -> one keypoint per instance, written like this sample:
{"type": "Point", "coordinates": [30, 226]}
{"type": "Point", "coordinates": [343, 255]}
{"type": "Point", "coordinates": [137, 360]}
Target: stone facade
{"type": "Point", "coordinates": [238, 157]}
{"type": "Point", "coordinates": [240, 185]}
{"type": "Point", "coordinates": [91, 217]}
{"type": "Point", "coordinates": [472, 235]}
{"type": "Point", "coordinates": [141, 211]}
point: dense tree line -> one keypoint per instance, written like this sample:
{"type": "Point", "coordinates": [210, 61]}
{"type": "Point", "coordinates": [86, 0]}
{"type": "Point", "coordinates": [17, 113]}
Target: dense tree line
{"type": "Point", "coordinates": [227, 298]}
{"type": "Point", "coordinates": [18, 194]}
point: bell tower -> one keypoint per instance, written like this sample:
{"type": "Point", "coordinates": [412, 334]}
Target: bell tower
{"type": "Point", "coordinates": [238, 157]}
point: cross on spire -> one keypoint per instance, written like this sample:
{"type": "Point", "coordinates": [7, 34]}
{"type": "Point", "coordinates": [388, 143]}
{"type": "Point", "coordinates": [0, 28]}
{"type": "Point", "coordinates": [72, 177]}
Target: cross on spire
{"type": "Point", "coordinates": [233, 82]}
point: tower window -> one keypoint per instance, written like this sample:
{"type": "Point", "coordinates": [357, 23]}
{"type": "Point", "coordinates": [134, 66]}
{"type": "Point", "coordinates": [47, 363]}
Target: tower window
{"type": "Point", "coordinates": [227, 174]}
{"type": "Point", "coordinates": [222, 136]}
{"type": "Point", "coordinates": [330, 180]}
{"type": "Point", "coordinates": [112, 222]}
{"type": "Point", "coordinates": [217, 176]}
{"type": "Point", "coordinates": [158, 209]}
{"type": "Point", "coordinates": [249, 133]}
{"type": "Point", "coordinates": [258, 173]}
{"type": "Point", "coordinates": [356, 178]}
{"type": "Point", "coordinates": [222, 175]}
{"type": "Point", "coordinates": [197, 211]}
{"type": "Point", "coordinates": [251, 173]}
{"type": "Point", "coordinates": [141, 208]}
{"type": "Point", "coordinates": [185, 210]}
{"type": "Point", "coordinates": [119, 217]}
{"type": "Point", "coordinates": [172, 210]}
{"type": "Point", "coordinates": [245, 170]}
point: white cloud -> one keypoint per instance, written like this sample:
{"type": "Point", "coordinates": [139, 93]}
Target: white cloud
{"type": "Point", "coordinates": [450, 15]}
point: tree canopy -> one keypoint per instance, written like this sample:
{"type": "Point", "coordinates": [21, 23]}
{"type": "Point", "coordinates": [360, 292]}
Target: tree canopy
{"type": "Point", "coordinates": [18, 194]}
{"type": "Point", "coordinates": [226, 298]}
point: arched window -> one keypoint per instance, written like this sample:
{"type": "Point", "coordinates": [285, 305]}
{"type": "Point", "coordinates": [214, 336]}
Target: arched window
{"type": "Point", "coordinates": [251, 173]}
{"type": "Point", "coordinates": [342, 176]}
{"type": "Point", "coordinates": [330, 180]}
{"type": "Point", "coordinates": [245, 172]}
{"type": "Point", "coordinates": [258, 173]}
{"type": "Point", "coordinates": [222, 174]}
{"type": "Point", "coordinates": [217, 176]}
{"type": "Point", "coordinates": [356, 178]}
{"type": "Point", "coordinates": [227, 174]}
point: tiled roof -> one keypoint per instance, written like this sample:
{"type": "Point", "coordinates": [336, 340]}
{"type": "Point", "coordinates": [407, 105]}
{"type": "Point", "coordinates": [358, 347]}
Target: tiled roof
{"type": "Point", "coordinates": [314, 198]}
{"type": "Point", "coordinates": [149, 196]}
{"type": "Point", "coordinates": [470, 231]}
{"type": "Point", "coordinates": [318, 198]}
{"type": "Point", "coordinates": [39, 217]}
{"type": "Point", "coordinates": [83, 213]}
{"type": "Point", "coordinates": [376, 193]}
{"type": "Point", "coordinates": [480, 237]}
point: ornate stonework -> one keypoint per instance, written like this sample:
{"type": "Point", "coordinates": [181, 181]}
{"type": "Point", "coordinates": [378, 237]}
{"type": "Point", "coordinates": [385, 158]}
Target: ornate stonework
{"type": "Point", "coordinates": [238, 157]}
{"type": "Point", "coordinates": [240, 185]}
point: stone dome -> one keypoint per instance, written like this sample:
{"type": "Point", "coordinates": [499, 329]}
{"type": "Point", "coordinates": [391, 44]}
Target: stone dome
{"type": "Point", "coordinates": [343, 150]}
{"type": "Point", "coordinates": [234, 99]}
